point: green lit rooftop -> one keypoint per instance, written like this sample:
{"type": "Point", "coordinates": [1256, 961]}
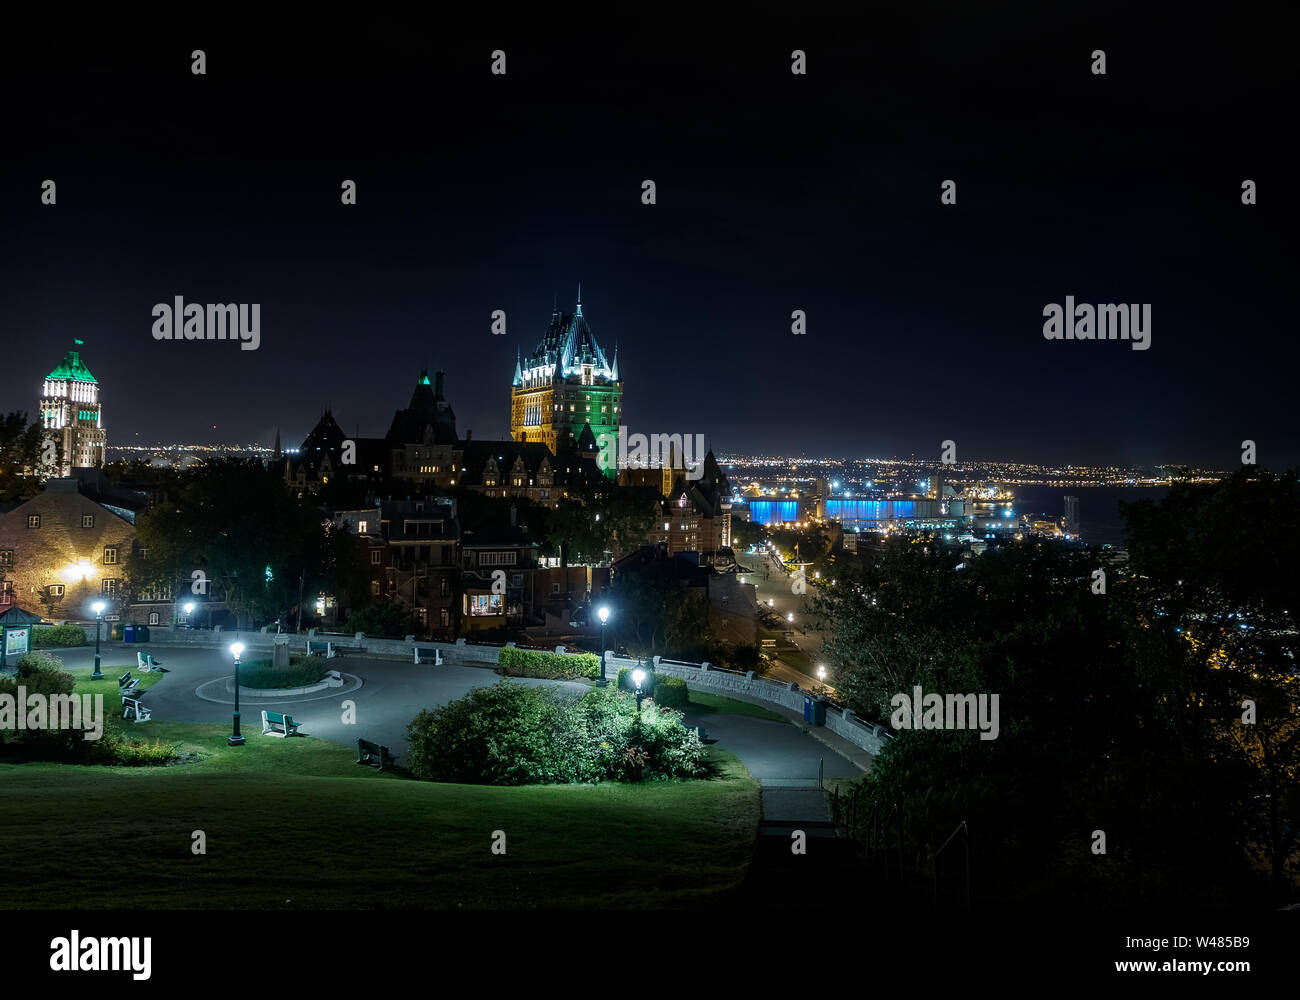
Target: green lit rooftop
{"type": "Point", "coordinates": [72, 367]}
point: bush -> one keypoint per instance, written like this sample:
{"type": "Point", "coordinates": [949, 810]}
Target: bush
{"type": "Point", "coordinates": [553, 666]}
{"type": "Point", "coordinates": [29, 663]}
{"type": "Point", "coordinates": [54, 636]}
{"type": "Point", "coordinates": [508, 734]}
{"type": "Point", "coordinates": [36, 676]}
{"type": "Point", "coordinates": [671, 692]}
{"type": "Point", "coordinates": [302, 672]}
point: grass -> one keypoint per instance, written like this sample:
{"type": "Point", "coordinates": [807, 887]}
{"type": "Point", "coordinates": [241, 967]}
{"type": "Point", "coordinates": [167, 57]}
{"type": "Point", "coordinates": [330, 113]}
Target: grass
{"type": "Point", "coordinates": [296, 824]}
{"type": "Point", "coordinates": [708, 704]}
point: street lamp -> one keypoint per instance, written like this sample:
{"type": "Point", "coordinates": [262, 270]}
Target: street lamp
{"type": "Point", "coordinates": [99, 617]}
{"type": "Point", "coordinates": [604, 617]}
{"type": "Point", "coordinates": [235, 739]}
{"type": "Point", "coordinates": [821, 673]}
{"type": "Point", "coordinates": [189, 610]}
{"type": "Point", "coordinates": [790, 617]}
{"type": "Point", "coordinates": [638, 675]}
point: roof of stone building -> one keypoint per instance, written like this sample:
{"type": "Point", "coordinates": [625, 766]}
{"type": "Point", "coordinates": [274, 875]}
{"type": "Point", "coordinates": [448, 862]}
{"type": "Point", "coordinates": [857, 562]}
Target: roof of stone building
{"type": "Point", "coordinates": [428, 409]}
{"type": "Point", "coordinates": [72, 367]}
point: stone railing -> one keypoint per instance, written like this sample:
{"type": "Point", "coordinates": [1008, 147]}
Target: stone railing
{"type": "Point", "coordinates": [760, 691]}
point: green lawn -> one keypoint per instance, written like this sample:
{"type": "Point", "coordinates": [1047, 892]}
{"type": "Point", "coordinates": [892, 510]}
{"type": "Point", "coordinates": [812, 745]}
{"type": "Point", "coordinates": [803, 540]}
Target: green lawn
{"type": "Point", "coordinates": [295, 823]}
{"type": "Point", "coordinates": [705, 704]}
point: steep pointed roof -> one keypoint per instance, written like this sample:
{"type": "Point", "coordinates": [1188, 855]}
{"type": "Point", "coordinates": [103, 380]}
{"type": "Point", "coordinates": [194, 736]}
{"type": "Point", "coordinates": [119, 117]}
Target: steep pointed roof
{"type": "Point", "coordinates": [568, 344]}
{"type": "Point", "coordinates": [587, 440]}
{"type": "Point", "coordinates": [72, 367]}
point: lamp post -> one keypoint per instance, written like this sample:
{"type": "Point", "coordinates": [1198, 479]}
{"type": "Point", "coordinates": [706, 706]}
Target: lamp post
{"type": "Point", "coordinates": [189, 610]}
{"type": "Point", "coordinates": [235, 739]}
{"type": "Point", "coordinates": [604, 617]}
{"type": "Point", "coordinates": [638, 675]}
{"type": "Point", "coordinates": [99, 617]}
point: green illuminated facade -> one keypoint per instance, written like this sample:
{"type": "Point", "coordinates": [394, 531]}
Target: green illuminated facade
{"type": "Point", "coordinates": [565, 386]}
{"type": "Point", "coordinates": [71, 415]}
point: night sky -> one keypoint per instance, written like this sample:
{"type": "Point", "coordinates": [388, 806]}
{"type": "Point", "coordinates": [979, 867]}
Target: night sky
{"type": "Point", "coordinates": [775, 192]}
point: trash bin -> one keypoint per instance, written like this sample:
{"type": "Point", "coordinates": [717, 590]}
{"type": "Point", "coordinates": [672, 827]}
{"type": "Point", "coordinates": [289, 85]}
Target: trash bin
{"type": "Point", "coordinates": [807, 707]}
{"type": "Point", "coordinates": [142, 633]}
{"type": "Point", "coordinates": [819, 713]}
{"type": "Point", "coordinates": [115, 631]}
{"type": "Point", "coordinates": [128, 634]}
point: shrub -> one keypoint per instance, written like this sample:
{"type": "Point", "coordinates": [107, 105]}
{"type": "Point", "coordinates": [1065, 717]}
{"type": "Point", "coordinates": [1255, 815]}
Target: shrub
{"type": "Point", "coordinates": [299, 673]}
{"type": "Point", "coordinates": [508, 734]}
{"type": "Point", "coordinates": [35, 676]}
{"type": "Point", "coordinates": [29, 663]}
{"type": "Point", "coordinates": [515, 662]}
{"type": "Point", "coordinates": [115, 748]}
{"type": "Point", "coordinates": [53, 636]}
{"type": "Point", "coordinates": [671, 692]}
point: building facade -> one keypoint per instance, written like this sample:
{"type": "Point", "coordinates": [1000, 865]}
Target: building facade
{"type": "Point", "coordinates": [564, 385]}
{"type": "Point", "coordinates": [60, 552]}
{"type": "Point", "coordinates": [71, 417]}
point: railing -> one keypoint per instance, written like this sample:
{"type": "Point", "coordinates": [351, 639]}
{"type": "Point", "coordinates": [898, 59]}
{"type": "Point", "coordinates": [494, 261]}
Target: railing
{"type": "Point", "coordinates": [934, 861]}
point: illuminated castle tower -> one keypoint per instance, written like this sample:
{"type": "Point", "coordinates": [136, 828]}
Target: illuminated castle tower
{"type": "Point", "coordinates": [71, 415]}
{"type": "Point", "coordinates": [565, 385]}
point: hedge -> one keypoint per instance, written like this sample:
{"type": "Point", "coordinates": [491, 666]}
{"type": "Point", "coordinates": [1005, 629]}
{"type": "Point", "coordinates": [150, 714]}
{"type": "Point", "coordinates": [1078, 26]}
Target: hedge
{"type": "Point", "coordinates": [514, 662]}
{"type": "Point", "coordinates": [54, 636]}
{"type": "Point", "coordinates": [667, 692]}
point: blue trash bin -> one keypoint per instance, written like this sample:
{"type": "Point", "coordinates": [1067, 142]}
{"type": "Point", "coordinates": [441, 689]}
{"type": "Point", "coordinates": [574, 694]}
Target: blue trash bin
{"type": "Point", "coordinates": [819, 713]}
{"type": "Point", "coordinates": [128, 635]}
{"type": "Point", "coordinates": [807, 707]}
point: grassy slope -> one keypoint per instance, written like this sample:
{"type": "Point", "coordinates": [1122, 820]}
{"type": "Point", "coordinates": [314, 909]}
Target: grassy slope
{"type": "Point", "coordinates": [296, 823]}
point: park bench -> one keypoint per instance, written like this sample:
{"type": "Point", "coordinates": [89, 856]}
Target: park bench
{"type": "Point", "coordinates": [368, 752]}
{"type": "Point", "coordinates": [126, 685]}
{"type": "Point", "coordinates": [275, 724]}
{"type": "Point", "coordinates": [147, 664]}
{"type": "Point", "coordinates": [315, 646]}
{"type": "Point", "coordinates": [132, 708]}
{"type": "Point", "coordinates": [437, 654]}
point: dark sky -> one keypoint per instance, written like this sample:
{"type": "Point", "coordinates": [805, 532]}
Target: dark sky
{"type": "Point", "coordinates": [775, 192]}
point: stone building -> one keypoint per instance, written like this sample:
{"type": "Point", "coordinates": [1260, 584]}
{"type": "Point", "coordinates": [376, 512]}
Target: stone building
{"type": "Point", "coordinates": [61, 551]}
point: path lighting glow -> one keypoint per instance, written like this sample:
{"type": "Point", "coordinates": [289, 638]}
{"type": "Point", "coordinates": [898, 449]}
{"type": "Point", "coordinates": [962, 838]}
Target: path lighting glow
{"type": "Point", "coordinates": [790, 617]}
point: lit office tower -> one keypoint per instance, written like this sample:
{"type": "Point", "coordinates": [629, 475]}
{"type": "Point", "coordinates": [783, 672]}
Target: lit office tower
{"type": "Point", "coordinates": [1072, 516]}
{"type": "Point", "coordinates": [71, 417]}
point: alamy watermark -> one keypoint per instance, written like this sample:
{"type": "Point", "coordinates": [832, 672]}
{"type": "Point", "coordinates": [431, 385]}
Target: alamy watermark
{"type": "Point", "coordinates": [53, 711]}
{"type": "Point", "coordinates": [657, 451]}
{"type": "Point", "coordinates": [215, 321]}
{"type": "Point", "coordinates": [953, 711]}
{"type": "Point", "coordinates": [1107, 321]}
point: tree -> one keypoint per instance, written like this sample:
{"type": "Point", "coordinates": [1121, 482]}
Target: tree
{"type": "Point", "coordinates": [20, 458]}
{"type": "Point", "coordinates": [247, 537]}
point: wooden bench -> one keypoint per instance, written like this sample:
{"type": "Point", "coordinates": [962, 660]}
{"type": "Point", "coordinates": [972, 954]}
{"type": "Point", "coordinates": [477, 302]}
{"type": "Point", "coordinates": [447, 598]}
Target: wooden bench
{"type": "Point", "coordinates": [275, 724]}
{"type": "Point", "coordinates": [133, 709]}
{"type": "Point", "coordinates": [126, 685]}
{"type": "Point", "coordinates": [437, 654]}
{"type": "Point", "coordinates": [368, 752]}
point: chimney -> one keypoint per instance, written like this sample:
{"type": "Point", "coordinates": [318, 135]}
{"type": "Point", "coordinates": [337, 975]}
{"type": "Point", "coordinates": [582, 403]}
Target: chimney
{"type": "Point", "coordinates": [469, 436]}
{"type": "Point", "coordinates": [437, 385]}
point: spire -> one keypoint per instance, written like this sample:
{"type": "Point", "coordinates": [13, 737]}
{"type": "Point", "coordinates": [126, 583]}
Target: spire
{"type": "Point", "coordinates": [579, 298]}
{"type": "Point", "coordinates": [519, 372]}
{"type": "Point", "coordinates": [613, 371]}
